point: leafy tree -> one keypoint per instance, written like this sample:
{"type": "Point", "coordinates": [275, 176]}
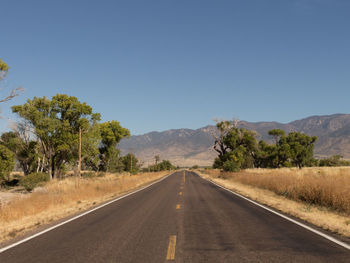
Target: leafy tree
{"type": "Point", "coordinates": [277, 134]}
{"type": "Point", "coordinates": [243, 145]}
{"type": "Point", "coordinates": [301, 148]}
{"type": "Point", "coordinates": [277, 155]}
{"type": "Point", "coordinates": [7, 163]}
{"type": "Point", "coordinates": [164, 165]}
{"type": "Point", "coordinates": [130, 163]}
{"type": "Point", "coordinates": [223, 127]}
{"type": "Point", "coordinates": [25, 150]}
{"type": "Point", "coordinates": [267, 155]}
{"type": "Point", "coordinates": [232, 165]}
{"type": "Point", "coordinates": [236, 147]}
{"type": "Point", "coordinates": [91, 139]}
{"type": "Point", "coordinates": [111, 133]}
{"type": "Point", "coordinates": [56, 124]}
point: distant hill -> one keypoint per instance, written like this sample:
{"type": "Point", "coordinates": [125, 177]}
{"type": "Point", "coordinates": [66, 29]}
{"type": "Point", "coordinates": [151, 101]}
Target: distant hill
{"type": "Point", "coordinates": [186, 147]}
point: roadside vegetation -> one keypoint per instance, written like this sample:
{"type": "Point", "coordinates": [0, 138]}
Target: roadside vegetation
{"type": "Point", "coordinates": [53, 136]}
{"type": "Point", "coordinates": [238, 149]}
{"type": "Point", "coordinates": [60, 198]}
{"type": "Point", "coordinates": [59, 159]}
{"type": "Point", "coordinates": [327, 187]}
{"type": "Point", "coordinates": [284, 174]}
{"type": "Point", "coordinates": [164, 165]}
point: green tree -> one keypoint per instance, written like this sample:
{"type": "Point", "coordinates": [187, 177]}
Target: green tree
{"type": "Point", "coordinates": [130, 163]}
{"type": "Point", "coordinates": [56, 124]}
{"type": "Point", "coordinates": [7, 163]}
{"type": "Point", "coordinates": [278, 154]}
{"type": "Point", "coordinates": [24, 150]}
{"type": "Point", "coordinates": [91, 139]}
{"type": "Point", "coordinates": [236, 147]}
{"type": "Point", "coordinates": [266, 156]}
{"type": "Point", "coordinates": [277, 134]}
{"type": "Point", "coordinates": [223, 127]}
{"type": "Point", "coordinates": [242, 142]}
{"type": "Point", "coordinates": [111, 133]}
{"type": "Point", "coordinates": [301, 148]}
{"type": "Point", "coordinates": [164, 165]}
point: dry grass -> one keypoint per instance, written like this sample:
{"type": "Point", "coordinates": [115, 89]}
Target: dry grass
{"type": "Point", "coordinates": [327, 187]}
{"type": "Point", "coordinates": [58, 199]}
{"type": "Point", "coordinates": [320, 196]}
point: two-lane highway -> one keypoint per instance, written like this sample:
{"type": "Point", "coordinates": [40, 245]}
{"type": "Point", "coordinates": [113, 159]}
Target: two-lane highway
{"type": "Point", "coordinates": [183, 218]}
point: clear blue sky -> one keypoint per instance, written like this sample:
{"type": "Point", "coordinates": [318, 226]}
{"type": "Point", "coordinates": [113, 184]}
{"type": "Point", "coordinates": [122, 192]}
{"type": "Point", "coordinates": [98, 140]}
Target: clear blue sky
{"type": "Point", "coordinates": [156, 65]}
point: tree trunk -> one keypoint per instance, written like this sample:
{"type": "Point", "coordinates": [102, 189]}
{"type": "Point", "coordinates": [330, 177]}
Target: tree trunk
{"type": "Point", "coordinates": [52, 167]}
{"type": "Point", "coordinates": [42, 164]}
{"type": "Point", "coordinates": [38, 166]}
{"type": "Point", "coordinates": [50, 174]}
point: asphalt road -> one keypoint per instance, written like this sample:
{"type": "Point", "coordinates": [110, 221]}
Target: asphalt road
{"type": "Point", "coordinates": [180, 219]}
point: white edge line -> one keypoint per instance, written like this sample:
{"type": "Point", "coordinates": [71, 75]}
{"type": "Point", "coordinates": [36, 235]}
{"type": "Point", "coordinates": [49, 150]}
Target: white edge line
{"type": "Point", "coordinates": [334, 240]}
{"type": "Point", "coordinates": [78, 216]}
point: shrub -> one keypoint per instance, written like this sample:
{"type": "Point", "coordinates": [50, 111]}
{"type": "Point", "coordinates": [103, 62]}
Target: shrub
{"type": "Point", "coordinates": [231, 166]}
{"type": "Point", "coordinates": [333, 161]}
{"type": "Point", "coordinates": [88, 174]}
{"type": "Point", "coordinates": [100, 174]}
{"type": "Point", "coordinates": [32, 180]}
{"type": "Point", "coordinates": [7, 163]}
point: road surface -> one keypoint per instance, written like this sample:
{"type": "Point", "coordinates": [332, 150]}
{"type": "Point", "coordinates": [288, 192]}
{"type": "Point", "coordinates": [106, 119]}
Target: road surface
{"type": "Point", "coordinates": [183, 218]}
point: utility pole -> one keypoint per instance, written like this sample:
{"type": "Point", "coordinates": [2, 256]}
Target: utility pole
{"type": "Point", "coordinates": [131, 150]}
{"type": "Point", "coordinates": [130, 163]}
{"type": "Point", "coordinates": [79, 162]}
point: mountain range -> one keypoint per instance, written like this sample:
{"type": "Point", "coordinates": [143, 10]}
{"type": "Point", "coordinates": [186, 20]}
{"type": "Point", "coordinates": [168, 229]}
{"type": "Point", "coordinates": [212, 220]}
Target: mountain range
{"type": "Point", "coordinates": [187, 147]}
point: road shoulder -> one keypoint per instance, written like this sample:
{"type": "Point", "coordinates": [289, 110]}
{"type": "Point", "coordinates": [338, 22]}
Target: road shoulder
{"type": "Point", "coordinates": [328, 222]}
{"type": "Point", "coordinates": [89, 207]}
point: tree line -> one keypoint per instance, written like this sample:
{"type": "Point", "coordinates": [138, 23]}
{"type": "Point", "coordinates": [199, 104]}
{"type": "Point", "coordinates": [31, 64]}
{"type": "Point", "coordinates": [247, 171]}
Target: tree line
{"type": "Point", "coordinates": [238, 148]}
{"type": "Point", "coordinates": [46, 138]}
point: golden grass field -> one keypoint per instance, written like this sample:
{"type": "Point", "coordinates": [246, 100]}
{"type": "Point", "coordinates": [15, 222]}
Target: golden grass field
{"type": "Point", "coordinates": [61, 198]}
{"type": "Point", "coordinates": [317, 195]}
{"type": "Point", "coordinates": [329, 187]}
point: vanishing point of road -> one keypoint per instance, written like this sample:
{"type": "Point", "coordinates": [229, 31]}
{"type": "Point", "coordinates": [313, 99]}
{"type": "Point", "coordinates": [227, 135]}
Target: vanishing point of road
{"type": "Point", "coordinates": [183, 218]}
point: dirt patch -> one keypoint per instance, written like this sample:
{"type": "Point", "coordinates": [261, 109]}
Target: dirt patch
{"type": "Point", "coordinates": [6, 197]}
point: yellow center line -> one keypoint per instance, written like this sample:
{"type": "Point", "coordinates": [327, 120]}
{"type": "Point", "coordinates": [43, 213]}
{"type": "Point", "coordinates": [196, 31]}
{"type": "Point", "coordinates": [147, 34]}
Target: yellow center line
{"type": "Point", "coordinates": [178, 206]}
{"type": "Point", "coordinates": [171, 248]}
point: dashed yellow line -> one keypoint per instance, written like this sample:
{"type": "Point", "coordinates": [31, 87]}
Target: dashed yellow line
{"type": "Point", "coordinates": [171, 248]}
{"type": "Point", "coordinates": [178, 206]}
